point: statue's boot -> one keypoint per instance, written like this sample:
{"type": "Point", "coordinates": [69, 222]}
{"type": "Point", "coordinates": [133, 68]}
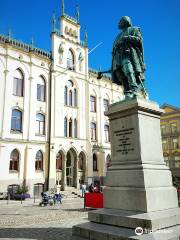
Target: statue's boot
{"type": "Point", "coordinates": [132, 85]}
{"type": "Point", "coordinates": [132, 81]}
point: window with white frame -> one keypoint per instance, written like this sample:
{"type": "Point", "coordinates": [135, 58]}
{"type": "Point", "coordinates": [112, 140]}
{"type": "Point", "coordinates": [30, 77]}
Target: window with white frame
{"type": "Point", "coordinates": [41, 89]}
{"type": "Point", "coordinates": [173, 127]}
{"type": "Point", "coordinates": [75, 97]}
{"type": "Point", "coordinates": [163, 129]}
{"type": "Point", "coordinates": [175, 143]}
{"type": "Point", "coordinates": [70, 60]}
{"type": "Point", "coordinates": [70, 94]}
{"type": "Point", "coordinates": [93, 131]}
{"type": "Point", "coordinates": [65, 95]}
{"type": "Point", "coordinates": [40, 124]}
{"type": "Point", "coordinates": [106, 133]}
{"type": "Point", "coordinates": [106, 105]}
{"type": "Point", "coordinates": [18, 83]}
{"type": "Point", "coordinates": [16, 120]}
{"type": "Point", "coordinates": [70, 98]}
{"type": "Point", "coordinates": [39, 161]}
{"type": "Point", "coordinates": [14, 161]}
{"type": "Point", "coordinates": [92, 103]}
{"type": "Point", "coordinates": [70, 127]}
{"type": "Point", "coordinates": [65, 127]}
{"type": "Point", "coordinates": [75, 128]}
{"type": "Point", "coordinates": [164, 144]}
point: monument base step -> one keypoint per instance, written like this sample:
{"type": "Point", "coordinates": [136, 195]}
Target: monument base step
{"type": "Point", "coordinates": [130, 219]}
{"type": "Point", "coordinates": [96, 231]}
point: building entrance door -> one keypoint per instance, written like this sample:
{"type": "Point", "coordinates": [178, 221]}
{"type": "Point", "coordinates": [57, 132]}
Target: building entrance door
{"type": "Point", "coordinates": [69, 170]}
{"type": "Point", "coordinates": [69, 176]}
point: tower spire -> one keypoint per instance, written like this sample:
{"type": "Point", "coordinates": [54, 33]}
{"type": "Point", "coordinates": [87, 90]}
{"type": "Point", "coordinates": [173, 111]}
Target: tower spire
{"type": "Point", "coordinates": [53, 22]}
{"type": "Point", "coordinates": [9, 35]}
{"type": "Point", "coordinates": [32, 44]}
{"type": "Point", "coordinates": [62, 7]}
{"type": "Point", "coordinates": [77, 13]}
{"type": "Point", "coordinates": [85, 38]}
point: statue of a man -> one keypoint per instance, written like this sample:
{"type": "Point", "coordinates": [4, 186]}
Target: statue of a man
{"type": "Point", "coordinates": [128, 59]}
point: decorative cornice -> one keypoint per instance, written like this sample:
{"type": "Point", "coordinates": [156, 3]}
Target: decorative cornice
{"type": "Point", "coordinates": [24, 46]}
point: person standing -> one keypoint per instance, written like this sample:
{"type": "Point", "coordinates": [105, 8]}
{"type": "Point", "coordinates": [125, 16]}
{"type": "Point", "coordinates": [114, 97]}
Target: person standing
{"type": "Point", "coordinates": [83, 189]}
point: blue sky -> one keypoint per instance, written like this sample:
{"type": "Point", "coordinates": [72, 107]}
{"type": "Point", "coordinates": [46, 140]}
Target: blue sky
{"type": "Point", "coordinates": [159, 21]}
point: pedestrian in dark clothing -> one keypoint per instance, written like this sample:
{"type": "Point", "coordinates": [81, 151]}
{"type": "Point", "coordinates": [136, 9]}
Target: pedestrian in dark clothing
{"type": "Point", "coordinates": [91, 188]}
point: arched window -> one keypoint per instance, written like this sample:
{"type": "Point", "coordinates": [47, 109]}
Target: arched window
{"type": "Point", "coordinates": [92, 103]}
{"type": "Point", "coordinates": [70, 84]}
{"type": "Point", "coordinates": [65, 95]}
{"type": "Point", "coordinates": [41, 89]}
{"type": "Point", "coordinates": [18, 83]}
{"type": "Point", "coordinates": [95, 167]}
{"type": "Point", "coordinates": [75, 128]}
{"type": "Point", "coordinates": [108, 161]}
{"type": "Point", "coordinates": [70, 60]}
{"type": "Point", "coordinates": [39, 161]}
{"type": "Point", "coordinates": [70, 98]}
{"type": "Point", "coordinates": [75, 98]}
{"type": "Point", "coordinates": [65, 127]}
{"type": "Point", "coordinates": [16, 120]}
{"type": "Point", "coordinates": [14, 161]}
{"type": "Point", "coordinates": [75, 33]}
{"type": "Point", "coordinates": [40, 124]}
{"type": "Point", "coordinates": [93, 131]}
{"type": "Point", "coordinates": [66, 29]}
{"type": "Point", "coordinates": [70, 127]}
{"type": "Point", "coordinates": [70, 31]}
{"type": "Point", "coordinates": [106, 133]}
{"type": "Point", "coordinates": [106, 105]}
{"type": "Point", "coordinates": [59, 159]}
{"type": "Point", "coordinates": [70, 94]}
{"type": "Point", "coordinates": [81, 161]}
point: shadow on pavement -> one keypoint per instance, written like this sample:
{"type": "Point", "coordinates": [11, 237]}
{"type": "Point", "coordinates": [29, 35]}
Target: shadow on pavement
{"type": "Point", "coordinates": [36, 233]}
{"type": "Point", "coordinates": [78, 209]}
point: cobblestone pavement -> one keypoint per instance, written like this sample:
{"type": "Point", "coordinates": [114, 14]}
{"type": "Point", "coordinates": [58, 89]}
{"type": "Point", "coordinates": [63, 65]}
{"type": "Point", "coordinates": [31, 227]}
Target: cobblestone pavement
{"type": "Point", "coordinates": [30, 221]}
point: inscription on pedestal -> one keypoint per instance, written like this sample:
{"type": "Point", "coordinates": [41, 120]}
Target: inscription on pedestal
{"type": "Point", "coordinates": [124, 140]}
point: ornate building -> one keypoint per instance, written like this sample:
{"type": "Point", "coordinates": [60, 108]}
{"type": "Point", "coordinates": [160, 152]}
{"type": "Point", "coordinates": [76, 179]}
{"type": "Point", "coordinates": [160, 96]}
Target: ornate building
{"type": "Point", "coordinates": [53, 129]}
{"type": "Point", "coordinates": [170, 129]}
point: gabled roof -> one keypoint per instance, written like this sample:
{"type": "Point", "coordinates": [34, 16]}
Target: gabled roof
{"type": "Point", "coordinates": [170, 108]}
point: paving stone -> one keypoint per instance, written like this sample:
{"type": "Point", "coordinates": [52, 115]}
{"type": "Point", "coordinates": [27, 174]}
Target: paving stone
{"type": "Point", "coordinates": [30, 221]}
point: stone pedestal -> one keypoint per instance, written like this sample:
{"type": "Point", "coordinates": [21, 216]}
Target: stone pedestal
{"type": "Point", "coordinates": [139, 191]}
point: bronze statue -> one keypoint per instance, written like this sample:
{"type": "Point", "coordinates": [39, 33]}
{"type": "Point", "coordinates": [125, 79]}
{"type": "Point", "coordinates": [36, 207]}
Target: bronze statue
{"type": "Point", "coordinates": [128, 59]}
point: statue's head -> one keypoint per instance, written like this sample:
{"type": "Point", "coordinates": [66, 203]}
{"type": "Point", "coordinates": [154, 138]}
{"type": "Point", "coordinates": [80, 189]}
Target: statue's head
{"type": "Point", "coordinates": [125, 22]}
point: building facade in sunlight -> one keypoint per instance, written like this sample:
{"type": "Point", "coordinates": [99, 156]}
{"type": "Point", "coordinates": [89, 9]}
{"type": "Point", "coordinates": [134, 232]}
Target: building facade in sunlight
{"type": "Point", "coordinates": [53, 130]}
{"type": "Point", "coordinates": [170, 130]}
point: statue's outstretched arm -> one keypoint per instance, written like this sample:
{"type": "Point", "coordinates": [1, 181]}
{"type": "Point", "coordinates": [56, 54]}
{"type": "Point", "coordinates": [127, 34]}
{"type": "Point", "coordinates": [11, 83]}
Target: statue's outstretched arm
{"type": "Point", "coordinates": [100, 74]}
